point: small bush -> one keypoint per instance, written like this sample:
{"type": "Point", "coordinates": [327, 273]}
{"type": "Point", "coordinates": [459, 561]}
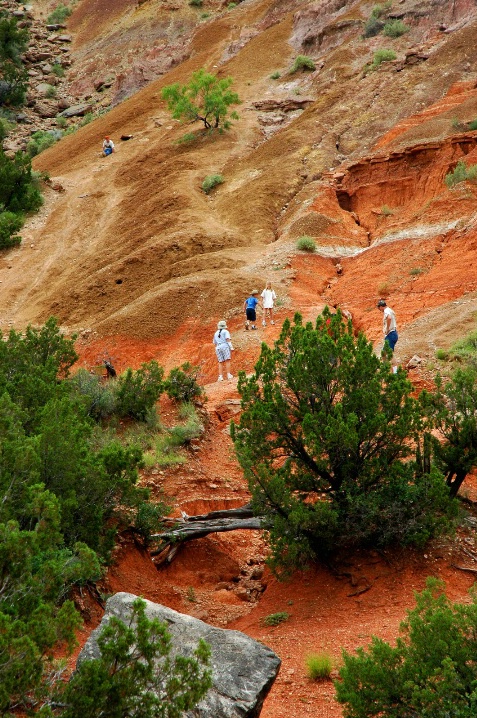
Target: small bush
{"type": "Point", "coordinates": [472, 125]}
{"type": "Point", "coordinates": [372, 27]}
{"type": "Point", "coordinates": [89, 117]}
{"type": "Point", "coordinates": [51, 92]}
{"type": "Point", "coordinates": [442, 355]}
{"type": "Point", "coordinates": [383, 289]}
{"type": "Point", "coordinates": [274, 619]}
{"type": "Point", "coordinates": [381, 56]}
{"type": "Point", "coordinates": [210, 182]}
{"type": "Point", "coordinates": [181, 384]}
{"type": "Point", "coordinates": [61, 122]}
{"type": "Point", "coordinates": [204, 15]}
{"type": "Point", "coordinates": [149, 519]}
{"type": "Point", "coordinates": [41, 140]}
{"type": "Point", "coordinates": [184, 433]}
{"type": "Point", "coordinates": [460, 174]}
{"type": "Point", "coordinates": [138, 391]}
{"type": "Point", "coordinates": [98, 398]}
{"type": "Point", "coordinates": [416, 271]}
{"type": "Point", "coordinates": [231, 5]}
{"type": "Point", "coordinates": [10, 223]}
{"type": "Point", "coordinates": [302, 62]}
{"type": "Point", "coordinates": [381, 9]}
{"type": "Point", "coordinates": [386, 211]}
{"type": "Point", "coordinates": [196, 3]}
{"type": "Point", "coordinates": [58, 70]}
{"type": "Point", "coordinates": [5, 128]}
{"type": "Point", "coordinates": [306, 244]}
{"type": "Point", "coordinates": [59, 15]}
{"type": "Point", "coordinates": [275, 75]}
{"type": "Point", "coordinates": [185, 139]}
{"type": "Point", "coordinates": [319, 666]}
{"type": "Point", "coordinates": [395, 28]}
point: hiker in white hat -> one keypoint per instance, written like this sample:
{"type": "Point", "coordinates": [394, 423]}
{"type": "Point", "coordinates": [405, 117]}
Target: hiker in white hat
{"type": "Point", "coordinates": [223, 349]}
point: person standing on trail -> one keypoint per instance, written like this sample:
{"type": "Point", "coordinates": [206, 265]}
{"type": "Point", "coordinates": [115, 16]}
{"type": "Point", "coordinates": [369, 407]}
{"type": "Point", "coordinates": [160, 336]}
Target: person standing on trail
{"type": "Point", "coordinates": [223, 349]}
{"type": "Point", "coordinates": [249, 307]}
{"type": "Point", "coordinates": [389, 326]}
{"type": "Point", "coordinates": [268, 299]}
{"type": "Point", "coordinates": [108, 146]}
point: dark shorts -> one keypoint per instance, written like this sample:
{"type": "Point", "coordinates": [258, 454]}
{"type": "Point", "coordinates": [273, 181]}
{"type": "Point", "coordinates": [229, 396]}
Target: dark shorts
{"type": "Point", "coordinates": [391, 339]}
{"type": "Point", "coordinates": [251, 314]}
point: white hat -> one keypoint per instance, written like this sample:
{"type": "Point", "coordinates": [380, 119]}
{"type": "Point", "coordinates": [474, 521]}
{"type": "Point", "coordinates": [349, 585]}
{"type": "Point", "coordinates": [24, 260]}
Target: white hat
{"type": "Point", "coordinates": [222, 324]}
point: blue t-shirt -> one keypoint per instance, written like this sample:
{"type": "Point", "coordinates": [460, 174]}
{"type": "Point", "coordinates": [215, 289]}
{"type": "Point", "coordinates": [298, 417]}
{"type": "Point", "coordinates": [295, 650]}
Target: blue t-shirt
{"type": "Point", "coordinates": [251, 302]}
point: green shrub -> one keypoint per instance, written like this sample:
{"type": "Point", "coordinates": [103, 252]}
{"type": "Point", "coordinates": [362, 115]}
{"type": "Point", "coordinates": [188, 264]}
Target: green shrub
{"type": "Point", "coordinates": [395, 28]}
{"type": "Point", "coordinates": [185, 139]}
{"type": "Point", "coordinates": [302, 62]}
{"type": "Point", "coordinates": [51, 92]}
{"type": "Point", "coordinates": [323, 416]}
{"type": "Point", "coordinates": [231, 5]}
{"type": "Point", "coordinates": [13, 73]}
{"type": "Point", "coordinates": [381, 56]}
{"type": "Point", "coordinates": [306, 244]}
{"type": "Point", "coordinates": [181, 384]}
{"type": "Point", "coordinates": [59, 15]}
{"type": "Point", "coordinates": [386, 211]}
{"type": "Point", "coordinates": [274, 619]}
{"type": "Point", "coordinates": [10, 224]}
{"type": "Point", "coordinates": [416, 271]}
{"type": "Point", "coordinates": [372, 27]}
{"type": "Point", "coordinates": [184, 433]}
{"type": "Point", "coordinates": [210, 182]}
{"type": "Point", "coordinates": [89, 117]}
{"type": "Point", "coordinates": [41, 140]}
{"type": "Point", "coordinates": [442, 354]}
{"type": "Point", "coordinates": [381, 8]}
{"type": "Point", "coordinates": [5, 128]}
{"type": "Point", "coordinates": [205, 97]}
{"type": "Point", "coordinates": [19, 192]}
{"type": "Point", "coordinates": [58, 69]}
{"type": "Point", "coordinates": [62, 122]}
{"type": "Point", "coordinates": [99, 398]}
{"type": "Point", "coordinates": [275, 75]}
{"type": "Point", "coordinates": [431, 671]}
{"type": "Point", "coordinates": [149, 519]}
{"type": "Point", "coordinates": [472, 125]}
{"type": "Point", "coordinates": [460, 174]}
{"type": "Point", "coordinates": [196, 3]}
{"type": "Point", "coordinates": [318, 666]}
{"type": "Point", "coordinates": [204, 15]}
{"type": "Point", "coordinates": [138, 391]}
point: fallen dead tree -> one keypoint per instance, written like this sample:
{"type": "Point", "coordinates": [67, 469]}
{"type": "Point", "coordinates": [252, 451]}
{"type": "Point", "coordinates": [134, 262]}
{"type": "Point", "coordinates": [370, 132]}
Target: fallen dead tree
{"type": "Point", "coordinates": [188, 528]}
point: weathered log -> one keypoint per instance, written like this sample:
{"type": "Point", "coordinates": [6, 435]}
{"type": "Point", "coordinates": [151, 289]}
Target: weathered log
{"type": "Point", "coordinates": [188, 528]}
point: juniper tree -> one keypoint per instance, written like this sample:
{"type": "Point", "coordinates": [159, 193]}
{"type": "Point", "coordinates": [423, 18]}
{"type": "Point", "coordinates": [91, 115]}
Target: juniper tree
{"type": "Point", "coordinates": [326, 440]}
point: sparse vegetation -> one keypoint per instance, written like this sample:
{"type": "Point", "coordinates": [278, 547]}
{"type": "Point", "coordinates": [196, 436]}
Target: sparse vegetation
{"type": "Point", "coordinates": [58, 69]}
{"type": "Point", "coordinates": [306, 244]}
{"type": "Point", "coordinates": [395, 28]}
{"type": "Point", "coordinates": [461, 173]}
{"type": "Point", "coordinates": [383, 289]}
{"type": "Point", "coordinates": [386, 211]}
{"type": "Point", "coordinates": [442, 354]}
{"type": "Point", "coordinates": [318, 666]}
{"type": "Point", "coordinates": [375, 25]}
{"type": "Point", "coordinates": [473, 125]}
{"type": "Point", "coordinates": [416, 271]}
{"type": "Point", "coordinates": [51, 92]}
{"type": "Point", "coordinates": [465, 349]}
{"type": "Point", "coordinates": [41, 140]}
{"type": "Point", "coordinates": [302, 62]}
{"type": "Point", "coordinates": [196, 3]}
{"type": "Point", "coordinates": [210, 182]}
{"type": "Point", "coordinates": [379, 57]}
{"type": "Point", "coordinates": [14, 75]}
{"type": "Point", "coordinates": [19, 194]}
{"type": "Point", "coordinates": [275, 75]}
{"type": "Point", "coordinates": [430, 672]}
{"type": "Point", "coordinates": [274, 619]}
{"type": "Point", "coordinates": [181, 384]}
{"type": "Point", "coordinates": [204, 98]}
{"type": "Point", "coordinates": [59, 15]}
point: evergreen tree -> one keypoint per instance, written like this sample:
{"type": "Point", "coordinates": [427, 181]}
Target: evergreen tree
{"type": "Point", "coordinates": [325, 439]}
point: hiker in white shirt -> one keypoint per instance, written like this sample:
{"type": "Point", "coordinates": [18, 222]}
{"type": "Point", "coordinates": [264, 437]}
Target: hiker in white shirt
{"type": "Point", "coordinates": [268, 299]}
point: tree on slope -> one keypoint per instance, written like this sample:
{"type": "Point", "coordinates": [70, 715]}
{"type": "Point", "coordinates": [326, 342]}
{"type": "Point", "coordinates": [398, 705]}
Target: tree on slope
{"type": "Point", "coordinates": [326, 438]}
{"type": "Point", "coordinates": [430, 673]}
{"type": "Point", "coordinates": [204, 98]}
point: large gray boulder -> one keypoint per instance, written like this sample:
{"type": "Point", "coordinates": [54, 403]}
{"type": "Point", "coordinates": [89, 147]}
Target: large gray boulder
{"type": "Point", "coordinates": [243, 670]}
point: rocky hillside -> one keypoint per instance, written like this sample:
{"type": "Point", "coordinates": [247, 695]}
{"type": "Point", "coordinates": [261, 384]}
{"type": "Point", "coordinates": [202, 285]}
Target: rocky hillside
{"type": "Point", "coordinates": [352, 156]}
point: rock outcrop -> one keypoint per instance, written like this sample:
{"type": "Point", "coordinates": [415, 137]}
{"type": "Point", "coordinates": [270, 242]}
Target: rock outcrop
{"type": "Point", "coordinates": [243, 669]}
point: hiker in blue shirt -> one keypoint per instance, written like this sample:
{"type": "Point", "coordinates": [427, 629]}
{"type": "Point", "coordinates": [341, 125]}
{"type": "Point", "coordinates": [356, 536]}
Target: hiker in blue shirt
{"type": "Point", "coordinates": [249, 308]}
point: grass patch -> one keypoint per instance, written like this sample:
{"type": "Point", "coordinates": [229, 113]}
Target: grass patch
{"type": "Point", "coordinates": [210, 182]}
{"type": "Point", "coordinates": [274, 619]}
{"type": "Point", "coordinates": [442, 355]}
{"type": "Point", "coordinates": [386, 211]}
{"type": "Point", "coordinates": [472, 125]}
{"type": "Point", "coordinates": [306, 244]}
{"type": "Point", "coordinates": [302, 62]}
{"type": "Point", "coordinates": [318, 666]}
{"type": "Point", "coordinates": [416, 271]}
{"type": "Point", "coordinates": [465, 349]}
{"type": "Point", "coordinates": [58, 70]}
{"type": "Point", "coordinates": [275, 75]}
